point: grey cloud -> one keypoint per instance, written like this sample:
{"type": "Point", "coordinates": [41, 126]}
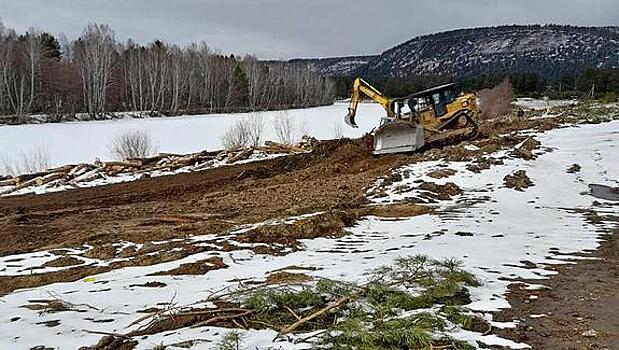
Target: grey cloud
{"type": "Point", "coordinates": [295, 28]}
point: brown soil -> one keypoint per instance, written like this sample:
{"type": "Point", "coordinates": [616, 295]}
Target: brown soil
{"type": "Point", "coordinates": [335, 175]}
{"type": "Point", "coordinates": [518, 180]}
{"type": "Point", "coordinates": [112, 343]}
{"type": "Point", "coordinates": [441, 173]}
{"type": "Point", "coordinates": [197, 268]}
{"type": "Point", "coordinates": [397, 210]}
{"type": "Point", "coordinates": [580, 307]}
{"type": "Point", "coordinates": [283, 277]}
{"type": "Point", "coordinates": [525, 151]}
{"type": "Point", "coordinates": [442, 192]}
{"type": "Point", "coordinates": [63, 261]}
{"type": "Point", "coordinates": [328, 224]}
{"type": "Point", "coordinates": [11, 283]}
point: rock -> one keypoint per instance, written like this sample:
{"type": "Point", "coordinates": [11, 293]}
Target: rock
{"type": "Point", "coordinates": [590, 333]}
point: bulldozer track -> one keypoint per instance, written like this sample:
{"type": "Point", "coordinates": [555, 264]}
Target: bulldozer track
{"type": "Point", "coordinates": [454, 136]}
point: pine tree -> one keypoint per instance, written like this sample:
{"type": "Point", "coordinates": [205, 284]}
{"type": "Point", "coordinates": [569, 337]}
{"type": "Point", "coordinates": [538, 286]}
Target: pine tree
{"type": "Point", "coordinates": [238, 91]}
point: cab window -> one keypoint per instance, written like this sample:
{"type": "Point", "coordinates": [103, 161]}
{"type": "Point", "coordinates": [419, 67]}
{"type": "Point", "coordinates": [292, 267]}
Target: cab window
{"type": "Point", "coordinates": [449, 96]}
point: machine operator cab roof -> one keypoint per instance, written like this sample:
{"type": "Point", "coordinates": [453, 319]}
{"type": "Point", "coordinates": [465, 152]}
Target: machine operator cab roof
{"type": "Point", "coordinates": [437, 97]}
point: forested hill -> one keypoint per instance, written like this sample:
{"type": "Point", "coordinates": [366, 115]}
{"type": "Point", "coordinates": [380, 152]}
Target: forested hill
{"type": "Point", "coordinates": [548, 51]}
{"type": "Point", "coordinates": [336, 66]}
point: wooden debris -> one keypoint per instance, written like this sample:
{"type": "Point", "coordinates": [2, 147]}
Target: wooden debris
{"type": "Point", "coordinates": [75, 175]}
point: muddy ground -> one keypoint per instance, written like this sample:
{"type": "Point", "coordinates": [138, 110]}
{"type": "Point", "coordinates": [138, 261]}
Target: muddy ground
{"type": "Point", "coordinates": [578, 311]}
{"type": "Point", "coordinates": [333, 176]}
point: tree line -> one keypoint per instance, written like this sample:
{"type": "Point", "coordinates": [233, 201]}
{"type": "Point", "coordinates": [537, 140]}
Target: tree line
{"type": "Point", "coordinates": [95, 74]}
{"type": "Point", "coordinates": [588, 83]}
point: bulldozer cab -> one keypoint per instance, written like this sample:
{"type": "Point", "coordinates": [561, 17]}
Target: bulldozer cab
{"type": "Point", "coordinates": [437, 98]}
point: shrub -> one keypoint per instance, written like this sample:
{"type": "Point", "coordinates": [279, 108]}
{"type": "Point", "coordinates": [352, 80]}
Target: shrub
{"type": "Point", "coordinates": [34, 161]}
{"type": "Point", "coordinates": [284, 128]}
{"type": "Point", "coordinates": [132, 144]}
{"type": "Point", "coordinates": [255, 126]}
{"type": "Point", "coordinates": [609, 97]}
{"type": "Point", "coordinates": [237, 136]}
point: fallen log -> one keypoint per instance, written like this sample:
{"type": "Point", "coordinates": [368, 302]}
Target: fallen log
{"type": "Point", "coordinates": [28, 177]}
{"type": "Point", "coordinates": [88, 176]}
{"type": "Point", "coordinates": [9, 182]}
{"type": "Point", "coordinates": [25, 184]}
{"type": "Point", "coordinates": [127, 163]}
{"type": "Point", "coordinates": [40, 181]}
{"type": "Point", "coordinates": [242, 155]}
{"type": "Point", "coordinates": [79, 169]}
{"type": "Point", "coordinates": [61, 169]}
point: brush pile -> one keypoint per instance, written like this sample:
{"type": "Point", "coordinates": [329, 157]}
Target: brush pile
{"type": "Point", "coordinates": [107, 172]}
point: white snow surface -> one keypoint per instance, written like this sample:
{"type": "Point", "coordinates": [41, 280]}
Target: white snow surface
{"type": "Point", "coordinates": [541, 225]}
{"type": "Point", "coordinates": [78, 142]}
{"type": "Point", "coordinates": [541, 104]}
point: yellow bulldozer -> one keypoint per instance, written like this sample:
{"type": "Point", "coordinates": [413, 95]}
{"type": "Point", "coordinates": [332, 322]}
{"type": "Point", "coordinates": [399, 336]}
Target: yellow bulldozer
{"type": "Point", "coordinates": [430, 117]}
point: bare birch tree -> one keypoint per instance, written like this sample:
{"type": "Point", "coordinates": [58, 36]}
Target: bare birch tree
{"type": "Point", "coordinates": [95, 52]}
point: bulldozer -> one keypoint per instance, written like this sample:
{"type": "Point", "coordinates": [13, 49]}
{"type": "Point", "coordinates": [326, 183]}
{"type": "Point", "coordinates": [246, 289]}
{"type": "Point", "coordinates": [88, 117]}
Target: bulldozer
{"type": "Point", "coordinates": [427, 118]}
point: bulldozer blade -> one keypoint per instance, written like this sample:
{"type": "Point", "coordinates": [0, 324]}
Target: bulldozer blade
{"type": "Point", "coordinates": [350, 119]}
{"type": "Point", "coordinates": [398, 136]}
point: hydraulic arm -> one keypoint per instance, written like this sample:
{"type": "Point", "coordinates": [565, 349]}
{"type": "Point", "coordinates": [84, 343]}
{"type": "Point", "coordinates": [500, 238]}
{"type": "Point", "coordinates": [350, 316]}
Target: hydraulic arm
{"type": "Point", "coordinates": [359, 87]}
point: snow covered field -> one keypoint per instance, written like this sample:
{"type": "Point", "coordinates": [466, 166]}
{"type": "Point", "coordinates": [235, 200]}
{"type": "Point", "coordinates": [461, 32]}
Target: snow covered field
{"type": "Point", "coordinates": [500, 234]}
{"type": "Point", "coordinates": [540, 104]}
{"type": "Point", "coordinates": [78, 142]}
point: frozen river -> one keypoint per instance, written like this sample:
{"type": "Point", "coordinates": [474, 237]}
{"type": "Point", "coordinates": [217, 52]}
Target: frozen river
{"type": "Point", "coordinates": [77, 142]}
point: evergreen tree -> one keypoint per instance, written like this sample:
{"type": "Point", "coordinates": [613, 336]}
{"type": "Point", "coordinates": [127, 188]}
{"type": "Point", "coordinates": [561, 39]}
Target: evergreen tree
{"type": "Point", "coordinates": [238, 91]}
{"type": "Point", "coordinates": [51, 47]}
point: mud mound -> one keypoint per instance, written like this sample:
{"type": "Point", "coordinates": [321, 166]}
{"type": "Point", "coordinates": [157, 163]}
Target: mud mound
{"type": "Point", "coordinates": [441, 173]}
{"type": "Point", "coordinates": [103, 252]}
{"type": "Point", "coordinates": [483, 163]}
{"type": "Point", "coordinates": [397, 210]}
{"type": "Point", "coordinates": [197, 268]}
{"type": "Point", "coordinates": [518, 180]}
{"type": "Point", "coordinates": [574, 169]}
{"type": "Point", "coordinates": [440, 192]}
{"type": "Point", "coordinates": [63, 261]}
{"type": "Point", "coordinates": [283, 277]}
{"type": "Point", "coordinates": [112, 343]}
{"type": "Point", "coordinates": [329, 224]}
{"type": "Point", "coordinates": [525, 150]}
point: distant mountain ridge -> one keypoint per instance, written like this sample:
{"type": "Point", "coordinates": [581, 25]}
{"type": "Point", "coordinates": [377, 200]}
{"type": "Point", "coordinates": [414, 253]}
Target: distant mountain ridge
{"type": "Point", "coordinates": [334, 66]}
{"type": "Point", "coordinates": [549, 50]}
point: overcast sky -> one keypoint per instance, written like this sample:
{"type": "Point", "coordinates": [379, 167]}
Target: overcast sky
{"type": "Point", "coordinates": [295, 28]}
